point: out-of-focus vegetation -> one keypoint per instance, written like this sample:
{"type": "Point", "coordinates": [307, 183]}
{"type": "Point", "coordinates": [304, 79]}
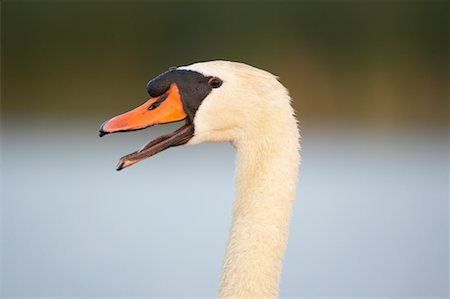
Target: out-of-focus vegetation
{"type": "Point", "coordinates": [376, 62]}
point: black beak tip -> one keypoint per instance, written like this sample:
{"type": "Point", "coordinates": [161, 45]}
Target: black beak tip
{"type": "Point", "coordinates": [102, 133]}
{"type": "Point", "coordinates": [119, 166]}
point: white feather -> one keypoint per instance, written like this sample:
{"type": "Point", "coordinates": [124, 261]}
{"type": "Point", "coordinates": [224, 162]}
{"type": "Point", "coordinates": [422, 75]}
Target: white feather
{"type": "Point", "coordinates": [252, 110]}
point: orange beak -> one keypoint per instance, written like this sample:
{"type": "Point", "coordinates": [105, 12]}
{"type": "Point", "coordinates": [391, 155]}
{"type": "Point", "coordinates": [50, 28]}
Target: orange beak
{"type": "Point", "coordinates": [165, 108]}
{"type": "Point", "coordinates": [160, 110]}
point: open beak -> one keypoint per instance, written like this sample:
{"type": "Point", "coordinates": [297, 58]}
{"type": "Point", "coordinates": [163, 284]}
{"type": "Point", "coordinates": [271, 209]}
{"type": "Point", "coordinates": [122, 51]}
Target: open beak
{"type": "Point", "coordinates": [163, 109]}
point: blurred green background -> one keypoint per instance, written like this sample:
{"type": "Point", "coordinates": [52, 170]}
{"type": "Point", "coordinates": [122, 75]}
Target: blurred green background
{"type": "Point", "coordinates": [380, 63]}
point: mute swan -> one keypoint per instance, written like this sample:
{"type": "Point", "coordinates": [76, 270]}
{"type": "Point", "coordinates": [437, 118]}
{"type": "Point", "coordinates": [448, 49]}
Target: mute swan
{"type": "Point", "coordinates": [235, 102]}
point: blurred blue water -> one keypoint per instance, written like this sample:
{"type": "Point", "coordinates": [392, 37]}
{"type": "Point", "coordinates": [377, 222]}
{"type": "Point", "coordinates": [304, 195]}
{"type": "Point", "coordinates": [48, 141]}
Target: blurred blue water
{"type": "Point", "coordinates": [371, 216]}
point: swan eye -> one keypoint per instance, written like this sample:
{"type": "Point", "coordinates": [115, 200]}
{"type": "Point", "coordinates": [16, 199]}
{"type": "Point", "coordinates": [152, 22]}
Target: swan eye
{"type": "Point", "coordinates": [215, 82]}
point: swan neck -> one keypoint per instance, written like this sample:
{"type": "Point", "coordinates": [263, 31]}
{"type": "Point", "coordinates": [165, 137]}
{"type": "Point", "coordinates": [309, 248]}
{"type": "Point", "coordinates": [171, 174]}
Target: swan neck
{"type": "Point", "coordinates": [266, 179]}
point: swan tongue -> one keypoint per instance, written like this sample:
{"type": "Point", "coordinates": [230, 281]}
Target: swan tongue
{"type": "Point", "coordinates": [151, 148]}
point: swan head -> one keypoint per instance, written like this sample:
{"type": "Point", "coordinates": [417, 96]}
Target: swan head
{"type": "Point", "coordinates": [217, 100]}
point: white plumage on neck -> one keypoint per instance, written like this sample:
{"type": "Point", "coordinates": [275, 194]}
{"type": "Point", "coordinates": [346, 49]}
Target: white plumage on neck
{"type": "Point", "coordinates": [252, 110]}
